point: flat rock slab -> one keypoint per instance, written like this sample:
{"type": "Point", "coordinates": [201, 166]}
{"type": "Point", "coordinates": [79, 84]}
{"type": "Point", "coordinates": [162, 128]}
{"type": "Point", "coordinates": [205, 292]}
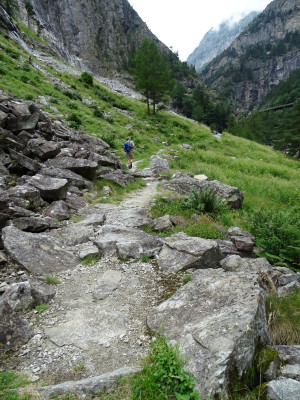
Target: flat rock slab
{"type": "Point", "coordinates": [108, 282]}
{"type": "Point", "coordinates": [284, 389]}
{"type": "Point", "coordinates": [128, 217]}
{"type": "Point", "coordinates": [88, 327]}
{"type": "Point", "coordinates": [39, 253]}
{"type": "Point", "coordinates": [218, 319]}
{"type": "Point", "coordinates": [127, 242]}
{"type": "Point", "coordinates": [88, 386]}
{"type": "Point", "coordinates": [181, 251]}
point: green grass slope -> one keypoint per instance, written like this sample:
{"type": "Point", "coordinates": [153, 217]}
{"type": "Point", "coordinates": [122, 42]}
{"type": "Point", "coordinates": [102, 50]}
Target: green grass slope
{"type": "Point", "coordinates": [268, 179]}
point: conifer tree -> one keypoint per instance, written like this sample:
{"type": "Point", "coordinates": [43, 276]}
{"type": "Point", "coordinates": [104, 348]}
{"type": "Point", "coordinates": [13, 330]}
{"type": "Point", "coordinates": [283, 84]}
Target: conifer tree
{"type": "Point", "coordinates": [151, 73]}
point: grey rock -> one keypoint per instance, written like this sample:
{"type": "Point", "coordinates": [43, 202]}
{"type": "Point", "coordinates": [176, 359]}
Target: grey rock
{"type": "Point", "coordinates": [92, 220]}
{"type": "Point", "coordinates": [22, 122]}
{"type": "Point", "coordinates": [34, 224]}
{"type": "Point", "coordinates": [234, 262]}
{"type": "Point", "coordinates": [58, 210]}
{"type": "Point", "coordinates": [41, 292]}
{"type": "Point", "coordinates": [162, 224]}
{"type": "Point", "coordinates": [75, 202]}
{"type": "Point", "coordinates": [236, 231]}
{"type": "Point", "coordinates": [218, 319]}
{"type": "Point", "coordinates": [291, 371]}
{"type": "Point", "coordinates": [72, 234]}
{"type": "Point", "coordinates": [127, 242]}
{"type": "Point", "coordinates": [129, 217]}
{"type": "Point", "coordinates": [87, 249]}
{"type": "Point", "coordinates": [181, 251]}
{"type": "Point", "coordinates": [14, 331]}
{"type": "Point", "coordinates": [289, 354]}
{"type": "Point", "coordinates": [283, 389]}
{"type": "Point", "coordinates": [186, 146]}
{"type": "Point", "coordinates": [105, 160]}
{"type": "Point", "coordinates": [184, 183]}
{"type": "Point", "coordinates": [85, 168]}
{"type": "Point", "coordinates": [3, 169]}
{"type": "Point", "coordinates": [72, 177]}
{"type": "Point", "coordinates": [108, 282]}
{"type": "Point", "coordinates": [44, 149]}
{"type": "Point", "coordinates": [25, 162]}
{"type": "Point", "coordinates": [288, 278]}
{"type": "Point", "coordinates": [3, 117]}
{"type": "Point", "coordinates": [50, 188]}
{"type": "Point", "coordinates": [3, 258]}
{"type": "Point", "coordinates": [38, 253]}
{"type": "Point", "coordinates": [143, 173]}
{"type": "Point", "coordinates": [19, 297]}
{"type": "Point", "coordinates": [27, 192]}
{"type": "Point", "coordinates": [118, 176]}
{"type": "Point", "coordinates": [244, 244]}
{"type": "Point", "coordinates": [88, 386]}
{"type": "Point", "coordinates": [159, 165]}
{"type": "Point", "coordinates": [285, 290]}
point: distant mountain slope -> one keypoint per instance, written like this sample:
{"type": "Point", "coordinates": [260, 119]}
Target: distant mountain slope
{"type": "Point", "coordinates": [218, 39]}
{"type": "Point", "coordinates": [265, 54]}
{"type": "Point", "coordinates": [98, 35]}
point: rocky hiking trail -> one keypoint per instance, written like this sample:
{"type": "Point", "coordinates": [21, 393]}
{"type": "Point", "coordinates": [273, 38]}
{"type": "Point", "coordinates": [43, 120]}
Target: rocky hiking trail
{"type": "Point", "coordinates": [100, 318]}
{"type": "Point", "coordinates": [96, 323]}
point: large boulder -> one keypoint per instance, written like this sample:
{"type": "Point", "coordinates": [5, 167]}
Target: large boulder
{"type": "Point", "coordinates": [14, 331]}
{"type": "Point", "coordinates": [284, 388]}
{"type": "Point", "coordinates": [118, 176]}
{"type": "Point", "coordinates": [27, 192]}
{"type": "Point", "coordinates": [181, 251]}
{"type": "Point", "coordinates": [127, 242]}
{"type": "Point", "coordinates": [185, 183]}
{"type": "Point", "coordinates": [73, 178]}
{"type": "Point", "coordinates": [50, 188]}
{"type": "Point", "coordinates": [80, 166]}
{"type": "Point", "coordinates": [42, 148]}
{"type": "Point", "coordinates": [159, 165]}
{"type": "Point", "coordinates": [218, 319]}
{"type": "Point", "coordinates": [34, 224]}
{"type": "Point", "coordinates": [26, 162]}
{"type": "Point", "coordinates": [58, 210]}
{"type": "Point", "coordinates": [38, 253]}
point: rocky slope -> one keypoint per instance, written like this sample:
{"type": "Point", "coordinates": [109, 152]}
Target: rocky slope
{"type": "Point", "coordinates": [216, 40]}
{"type": "Point", "coordinates": [262, 56]}
{"type": "Point", "coordinates": [98, 36]}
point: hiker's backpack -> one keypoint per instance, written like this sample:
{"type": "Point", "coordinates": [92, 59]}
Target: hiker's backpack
{"type": "Point", "coordinates": [127, 147]}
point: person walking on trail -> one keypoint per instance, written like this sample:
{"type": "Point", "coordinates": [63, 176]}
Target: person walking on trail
{"type": "Point", "coordinates": [128, 149]}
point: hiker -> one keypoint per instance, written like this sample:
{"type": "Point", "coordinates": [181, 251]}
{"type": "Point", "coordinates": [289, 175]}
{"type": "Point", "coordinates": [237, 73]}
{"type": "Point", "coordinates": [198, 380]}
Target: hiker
{"type": "Point", "coordinates": [128, 149]}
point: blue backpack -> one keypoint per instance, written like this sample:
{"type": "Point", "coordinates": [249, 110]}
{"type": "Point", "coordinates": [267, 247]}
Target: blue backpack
{"type": "Point", "coordinates": [127, 147]}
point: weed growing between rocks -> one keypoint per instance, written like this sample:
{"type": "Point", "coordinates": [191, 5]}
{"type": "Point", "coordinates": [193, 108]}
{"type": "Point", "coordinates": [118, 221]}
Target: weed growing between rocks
{"type": "Point", "coordinates": [90, 260]}
{"type": "Point", "coordinates": [41, 308]}
{"type": "Point", "coordinates": [51, 280]}
{"type": "Point", "coordinates": [205, 201]}
{"type": "Point", "coordinates": [163, 375]}
{"type": "Point", "coordinates": [284, 319]}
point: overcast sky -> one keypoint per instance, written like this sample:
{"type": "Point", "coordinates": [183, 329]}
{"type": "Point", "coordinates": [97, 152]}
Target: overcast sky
{"type": "Point", "coordinates": [182, 24]}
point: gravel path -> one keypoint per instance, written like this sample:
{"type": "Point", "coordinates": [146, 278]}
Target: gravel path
{"type": "Point", "coordinates": [78, 336]}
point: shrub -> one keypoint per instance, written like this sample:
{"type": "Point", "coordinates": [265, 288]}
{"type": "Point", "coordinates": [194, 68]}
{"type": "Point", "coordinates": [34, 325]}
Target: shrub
{"type": "Point", "coordinates": [278, 234]}
{"type": "Point", "coordinates": [51, 280]}
{"type": "Point", "coordinates": [87, 79]}
{"type": "Point", "coordinates": [205, 201]}
{"type": "Point", "coordinates": [75, 121]}
{"type": "Point", "coordinates": [41, 308]}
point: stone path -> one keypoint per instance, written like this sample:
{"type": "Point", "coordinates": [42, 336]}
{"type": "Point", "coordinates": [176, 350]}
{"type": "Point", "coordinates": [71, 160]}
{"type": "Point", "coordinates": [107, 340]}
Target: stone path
{"type": "Point", "coordinates": [84, 333]}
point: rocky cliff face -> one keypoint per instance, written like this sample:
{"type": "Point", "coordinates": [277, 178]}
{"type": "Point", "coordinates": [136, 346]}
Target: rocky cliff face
{"type": "Point", "coordinates": [216, 40]}
{"type": "Point", "coordinates": [98, 35]}
{"type": "Point", "coordinates": [262, 56]}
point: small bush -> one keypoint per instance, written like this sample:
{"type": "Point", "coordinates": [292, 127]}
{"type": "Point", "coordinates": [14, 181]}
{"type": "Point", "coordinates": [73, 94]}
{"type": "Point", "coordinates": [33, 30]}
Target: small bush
{"type": "Point", "coordinates": [90, 260]}
{"type": "Point", "coordinates": [75, 121]}
{"type": "Point", "coordinates": [205, 201]}
{"type": "Point", "coordinates": [87, 79]}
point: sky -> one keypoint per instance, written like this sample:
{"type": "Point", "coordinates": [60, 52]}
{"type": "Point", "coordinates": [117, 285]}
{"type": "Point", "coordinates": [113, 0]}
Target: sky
{"type": "Point", "coordinates": [182, 24]}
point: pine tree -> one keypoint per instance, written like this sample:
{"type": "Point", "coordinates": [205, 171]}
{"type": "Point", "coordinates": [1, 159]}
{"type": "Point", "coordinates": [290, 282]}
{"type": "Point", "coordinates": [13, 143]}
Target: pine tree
{"type": "Point", "coordinates": [151, 73]}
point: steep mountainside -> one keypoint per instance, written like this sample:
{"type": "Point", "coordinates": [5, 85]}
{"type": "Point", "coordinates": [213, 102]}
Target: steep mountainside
{"type": "Point", "coordinates": [218, 39]}
{"type": "Point", "coordinates": [98, 35]}
{"type": "Point", "coordinates": [262, 56]}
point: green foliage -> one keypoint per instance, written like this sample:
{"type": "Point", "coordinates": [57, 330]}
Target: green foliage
{"type": "Point", "coordinates": [51, 280]}
{"type": "Point", "coordinates": [90, 260]}
{"type": "Point", "coordinates": [87, 79]}
{"type": "Point", "coordinates": [75, 121]}
{"type": "Point", "coordinates": [284, 319]}
{"type": "Point", "coordinates": [41, 308]}
{"type": "Point", "coordinates": [9, 381]}
{"type": "Point", "coordinates": [204, 201]}
{"type": "Point", "coordinates": [151, 73]}
{"type": "Point", "coordinates": [144, 258]}
{"type": "Point", "coordinates": [278, 233]}
{"type": "Point", "coordinates": [10, 6]}
{"type": "Point", "coordinates": [163, 376]}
